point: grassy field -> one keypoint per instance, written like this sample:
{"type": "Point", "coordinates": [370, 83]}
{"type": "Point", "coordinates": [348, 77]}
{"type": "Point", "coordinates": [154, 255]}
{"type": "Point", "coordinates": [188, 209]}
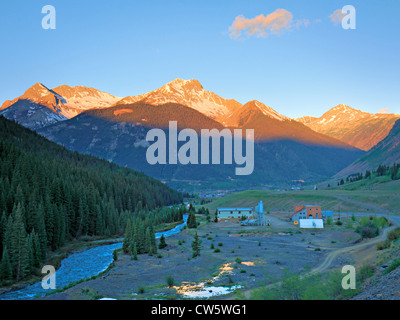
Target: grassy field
{"type": "Point", "coordinates": [377, 196]}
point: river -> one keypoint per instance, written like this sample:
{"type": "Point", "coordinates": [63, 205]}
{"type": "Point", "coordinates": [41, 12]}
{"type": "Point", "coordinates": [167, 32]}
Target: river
{"type": "Point", "coordinates": [79, 266]}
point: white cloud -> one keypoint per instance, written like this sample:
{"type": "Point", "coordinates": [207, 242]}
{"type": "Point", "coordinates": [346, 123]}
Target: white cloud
{"type": "Point", "coordinates": [262, 26]}
{"type": "Point", "coordinates": [384, 110]}
{"type": "Point", "coordinates": [337, 16]}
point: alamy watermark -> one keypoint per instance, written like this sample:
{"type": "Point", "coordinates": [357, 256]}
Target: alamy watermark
{"type": "Point", "coordinates": [49, 280]}
{"type": "Point", "coordinates": [49, 20]}
{"type": "Point", "coordinates": [188, 153]}
{"type": "Point", "coordinates": [349, 280]}
{"type": "Point", "coordinates": [346, 16]}
{"type": "Point", "coordinates": [349, 17]}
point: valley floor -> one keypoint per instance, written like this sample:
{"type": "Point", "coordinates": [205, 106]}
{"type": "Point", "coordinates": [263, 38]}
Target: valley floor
{"type": "Point", "coordinates": [265, 254]}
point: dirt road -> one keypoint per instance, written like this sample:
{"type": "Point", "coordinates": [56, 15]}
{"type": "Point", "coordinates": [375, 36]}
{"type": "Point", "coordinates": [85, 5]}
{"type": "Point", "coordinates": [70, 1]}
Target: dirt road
{"type": "Point", "coordinates": [332, 255]}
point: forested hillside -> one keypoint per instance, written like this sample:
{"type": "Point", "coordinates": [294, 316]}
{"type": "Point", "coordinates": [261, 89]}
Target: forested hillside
{"type": "Point", "coordinates": [386, 152]}
{"type": "Point", "coordinates": [49, 195]}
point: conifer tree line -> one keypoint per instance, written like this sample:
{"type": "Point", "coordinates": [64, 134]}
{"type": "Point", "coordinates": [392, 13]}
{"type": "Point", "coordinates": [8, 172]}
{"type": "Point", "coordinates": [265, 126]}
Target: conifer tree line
{"type": "Point", "coordinates": [140, 230]}
{"type": "Point", "coordinates": [49, 196]}
{"type": "Point", "coordinates": [382, 170]}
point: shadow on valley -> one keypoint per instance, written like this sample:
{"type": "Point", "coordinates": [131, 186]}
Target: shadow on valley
{"type": "Point", "coordinates": [118, 134]}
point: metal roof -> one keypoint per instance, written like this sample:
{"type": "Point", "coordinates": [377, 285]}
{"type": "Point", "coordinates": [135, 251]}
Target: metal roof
{"type": "Point", "coordinates": [233, 209]}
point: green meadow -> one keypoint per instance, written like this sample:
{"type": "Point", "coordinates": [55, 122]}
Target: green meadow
{"type": "Point", "coordinates": [377, 195]}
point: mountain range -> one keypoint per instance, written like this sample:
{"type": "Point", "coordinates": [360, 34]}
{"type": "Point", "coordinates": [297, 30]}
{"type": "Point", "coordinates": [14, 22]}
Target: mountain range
{"type": "Point", "coordinates": [360, 129]}
{"type": "Point", "coordinates": [90, 121]}
{"type": "Point", "coordinates": [385, 152]}
{"type": "Point", "coordinates": [189, 93]}
{"type": "Point", "coordinates": [39, 106]}
{"type": "Point", "coordinates": [118, 135]}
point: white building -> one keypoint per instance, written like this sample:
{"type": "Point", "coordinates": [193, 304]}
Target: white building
{"type": "Point", "coordinates": [237, 213]}
{"type": "Point", "coordinates": [311, 223]}
{"type": "Point", "coordinates": [249, 216]}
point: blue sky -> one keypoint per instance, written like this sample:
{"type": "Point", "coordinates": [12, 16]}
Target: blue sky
{"type": "Point", "coordinates": [132, 47]}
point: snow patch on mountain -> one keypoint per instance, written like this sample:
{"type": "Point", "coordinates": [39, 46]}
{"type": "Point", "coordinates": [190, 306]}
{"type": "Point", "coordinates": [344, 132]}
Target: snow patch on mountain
{"type": "Point", "coordinates": [47, 106]}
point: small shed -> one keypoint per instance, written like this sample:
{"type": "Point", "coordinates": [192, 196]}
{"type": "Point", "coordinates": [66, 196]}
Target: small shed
{"type": "Point", "coordinates": [326, 214]}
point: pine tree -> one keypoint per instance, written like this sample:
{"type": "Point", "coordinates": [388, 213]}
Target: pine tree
{"type": "Point", "coordinates": [127, 237]}
{"type": "Point", "coordinates": [3, 225]}
{"type": "Point", "coordinates": [191, 223]}
{"type": "Point", "coordinates": [132, 245]}
{"type": "Point", "coordinates": [40, 226]}
{"type": "Point", "coordinates": [147, 245]}
{"type": "Point", "coordinates": [153, 240]}
{"type": "Point", "coordinates": [19, 250]}
{"type": "Point", "coordinates": [37, 252]}
{"type": "Point", "coordinates": [196, 245]}
{"type": "Point", "coordinates": [5, 266]}
{"type": "Point", "coordinates": [135, 252]}
{"type": "Point", "coordinates": [29, 259]}
{"type": "Point", "coordinates": [162, 244]}
{"type": "Point", "coordinates": [8, 234]}
{"type": "Point", "coordinates": [140, 238]}
{"type": "Point", "coordinates": [99, 221]}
